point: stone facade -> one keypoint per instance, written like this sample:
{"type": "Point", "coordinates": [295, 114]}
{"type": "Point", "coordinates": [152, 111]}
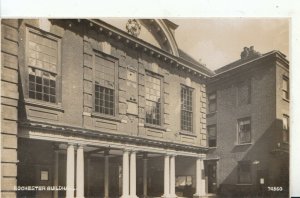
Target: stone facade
{"type": "Point", "coordinates": [63, 133]}
{"type": "Point", "coordinates": [9, 106]}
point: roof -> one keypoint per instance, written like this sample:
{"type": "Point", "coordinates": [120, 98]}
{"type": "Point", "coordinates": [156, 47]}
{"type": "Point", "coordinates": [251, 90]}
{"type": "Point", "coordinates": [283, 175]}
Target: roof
{"type": "Point", "coordinates": [244, 61]}
{"type": "Point", "coordinates": [188, 58]}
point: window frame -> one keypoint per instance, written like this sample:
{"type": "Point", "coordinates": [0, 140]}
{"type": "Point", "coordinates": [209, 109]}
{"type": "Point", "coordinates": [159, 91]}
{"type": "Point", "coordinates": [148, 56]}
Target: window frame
{"type": "Point", "coordinates": [238, 130]}
{"type": "Point", "coordinates": [287, 91]}
{"type": "Point", "coordinates": [208, 135]}
{"type": "Point", "coordinates": [193, 105]}
{"type": "Point", "coordinates": [246, 83]}
{"type": "Point", "coordinates": [287, 130]}
{"type": "Point", "coordinates": [58, 87]}
{"type": "Point", "coordinates": [155, 75]}
{"type": "Point", "coordinates": [116, 89]}
{"type": "Point", "coordinates": [248, 163]}
{"type": "Point", "coordinates": [209, 102]}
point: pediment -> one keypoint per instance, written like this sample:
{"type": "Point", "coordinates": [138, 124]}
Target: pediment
{"type": "Point", "coordinates": [157, 32]}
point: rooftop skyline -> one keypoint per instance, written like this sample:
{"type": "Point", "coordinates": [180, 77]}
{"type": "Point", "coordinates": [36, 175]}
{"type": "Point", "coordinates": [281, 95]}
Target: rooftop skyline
{"type": "Point", "coordinates": [219, 41]}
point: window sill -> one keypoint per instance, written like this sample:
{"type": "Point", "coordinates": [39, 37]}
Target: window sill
{"type": "Point", "coordinates": [210, 114]}
{"type": "Point", "coordinates": [213, 147]}
{"type": "Point", "coordinates": [158, 127]}
{"type": "Point", "coordinates": [46, 105]}
{"type": "Point", "coordinates": [287, 100]}
{"type": "Point", "coordinates": [106, 117]}
{"type": "Point", "coordinates": [187, 133]}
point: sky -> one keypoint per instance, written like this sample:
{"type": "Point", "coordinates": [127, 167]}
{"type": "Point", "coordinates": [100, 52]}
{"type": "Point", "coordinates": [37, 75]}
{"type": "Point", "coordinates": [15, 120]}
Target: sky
{"type": "Point", "coordinates": [219, 41]}
{"type": "Point", "coordinates": [216, 42]}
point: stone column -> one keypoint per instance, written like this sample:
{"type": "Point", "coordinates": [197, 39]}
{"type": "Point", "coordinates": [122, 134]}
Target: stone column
{"type": "Point", "coordinates": [80, 172]}
{"type": "Point", "coordinates": [55, 181]}
{"type": "Point", "coordinates": [167, 176]}
{"type": "Point", "coordinates": [133, 174]}
{"type": "Point", "coordinates": [125, 175]}
{"type": "Point", "coordinates": [200, 178]}
{"type": "Point", "coordinates": [145, 175]}
{"type": "Point", "coordinates": [172, 176]}
{"type": "Point", "coordinates": [106, 175]}
{"type": "Point", "coordinates": [70, 171]}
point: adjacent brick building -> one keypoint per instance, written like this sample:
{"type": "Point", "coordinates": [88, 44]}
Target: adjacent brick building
{"type": "Point", "coordinates": [248, 132]}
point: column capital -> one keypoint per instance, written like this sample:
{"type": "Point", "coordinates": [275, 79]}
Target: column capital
{"type": "Point", "coordinates": [201, 156]}
{"type": "Point", "coordinates": [170, 154]}
{"type": "Point", "coordinates": [126, 150]}
{"type": "Point", "coordinates": [79, 146]}
{"type": "Point", "coordinates": [70, 144]}
{"type": "Point", "coordinates": [134, 150]}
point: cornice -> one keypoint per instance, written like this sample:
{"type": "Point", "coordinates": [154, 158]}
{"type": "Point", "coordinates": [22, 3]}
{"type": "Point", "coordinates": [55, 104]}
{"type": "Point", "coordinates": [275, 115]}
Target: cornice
{"type": "Point", "coordinates": [273, 56]}
{"type": "Point", "coordinates": [126, 139]}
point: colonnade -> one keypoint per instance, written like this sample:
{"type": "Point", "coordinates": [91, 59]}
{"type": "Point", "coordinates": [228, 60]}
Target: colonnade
{"type": "Point", "coordinates": [128, 174]}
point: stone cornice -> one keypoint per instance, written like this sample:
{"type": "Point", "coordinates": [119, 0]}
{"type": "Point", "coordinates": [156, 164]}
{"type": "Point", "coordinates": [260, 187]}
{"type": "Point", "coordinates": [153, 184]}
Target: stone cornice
{"type": "Point", "coordinates": [125, 139]}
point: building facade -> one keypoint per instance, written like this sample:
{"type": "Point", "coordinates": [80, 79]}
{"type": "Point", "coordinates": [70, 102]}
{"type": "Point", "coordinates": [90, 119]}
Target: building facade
{"type": "Point", "coordinates": [95, 111]}
{"type": "Point", "coordinates": [92, 110]}
{"type": "Point", "coordinates": [248, 126]}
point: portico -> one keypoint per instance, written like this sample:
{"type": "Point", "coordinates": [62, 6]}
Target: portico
{"type": "Point", "coordinates": [87, 163]}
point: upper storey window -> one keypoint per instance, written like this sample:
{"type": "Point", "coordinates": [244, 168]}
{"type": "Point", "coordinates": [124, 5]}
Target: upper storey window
{"type": "Point", "coordinates": [105, 84]}
{"type": "Point", "coordinates": [244, 93]}
{"type": "Point", "coordinates": [212, 102]}
{"type": "Point", "coordinates": [285, 128]}
{"type": "Point", "coordinates": [43, 66]}
{"type": "Point", "coordinates": [244, 131]}
{"type": "Point", "coordinates": [186, 108]}
{"type": "Point", "coordinates": [285, 88]}
{"type": "Point", "coordinates": [153, 99]}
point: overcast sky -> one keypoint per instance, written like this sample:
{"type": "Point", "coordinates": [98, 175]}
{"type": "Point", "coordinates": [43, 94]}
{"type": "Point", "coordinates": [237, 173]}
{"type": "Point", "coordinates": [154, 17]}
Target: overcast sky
{"type": "Point", "coordinates": [219, 41]}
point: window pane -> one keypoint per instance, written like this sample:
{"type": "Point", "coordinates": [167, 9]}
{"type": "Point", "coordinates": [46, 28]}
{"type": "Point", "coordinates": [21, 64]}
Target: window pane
{"type": "Point", "coordinates": [186, 108]}
{"type": "Point", "coordinates": [42, 52]}
{"type": "Point", "coordinates": [104, 100]}
{"type": "Point", "coordinates": [244, 131]}
{"type": "Point", "coordinates": [212, 136]}
{"type": "Point", "coordinates": [32, 94]}
{"type": "Point", "coordinates": [244, 94]}
{"type": "Point", "coordinates": [285, 122]}
{"type": "Point", "coordinates": [104, 72]}
{"type": "Point", "coordinates": [153, 92]}
{"type": "Point", "coordinates": [212, 102]}
{"type": "Point", "coordinates": [285, 88]}
{"type": "Point", "coordinates": [285, 84]}
{"type": "Point", "coordinates": [40, 89]}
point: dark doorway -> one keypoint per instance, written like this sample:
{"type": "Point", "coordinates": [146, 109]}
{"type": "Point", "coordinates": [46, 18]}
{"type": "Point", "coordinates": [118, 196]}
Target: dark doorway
{"type": "Point", "coordinates": [211, 172]}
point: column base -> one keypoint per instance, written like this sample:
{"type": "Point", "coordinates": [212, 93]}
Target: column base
{"type": "Point", "coordinates": [134, 196]}
{"type": "Point", "coordinates": [125, 196]}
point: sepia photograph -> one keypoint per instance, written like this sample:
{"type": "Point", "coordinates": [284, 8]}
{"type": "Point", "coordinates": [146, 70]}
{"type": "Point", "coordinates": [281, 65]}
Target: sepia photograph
{"type": "Point", "coordinates": [145, 107]}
